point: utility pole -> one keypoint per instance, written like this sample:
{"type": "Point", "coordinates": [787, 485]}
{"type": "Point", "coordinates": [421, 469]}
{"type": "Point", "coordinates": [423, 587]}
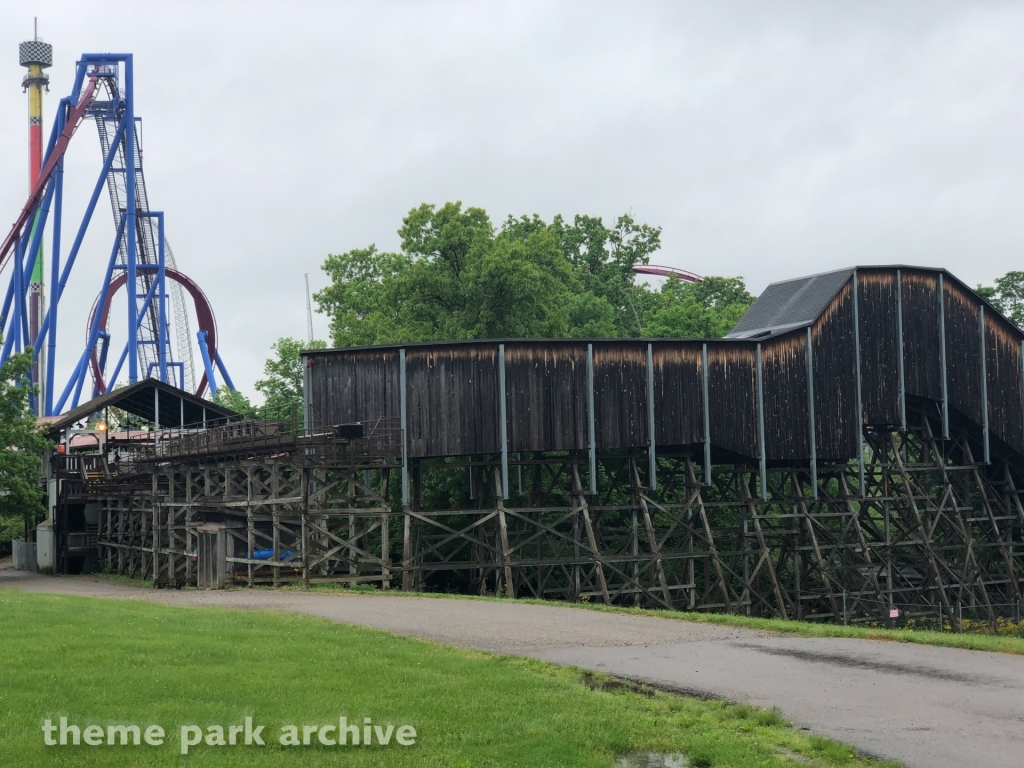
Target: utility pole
{"type": "Point", "coordinates": [309, 311]}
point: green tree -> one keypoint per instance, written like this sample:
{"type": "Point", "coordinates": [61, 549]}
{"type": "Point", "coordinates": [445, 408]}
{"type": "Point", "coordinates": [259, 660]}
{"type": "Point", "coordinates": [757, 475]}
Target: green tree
{"type": "Point", "coordinates": [282, 382]}
{"type": "Point", "coordinates": [1007, 295]}
{"type": "Point", "coordinates": [235, 400]}
{"type": "Point", "coordinates": [708, 309]}
{"type": "Point", "coordinates": [605, 259]}
{"type": "Point", "coordinates": [22, 447]}
{"type": "Point", "coordinates": [363, 300]}
{"type": "Point", "coordinates": [458, 277]}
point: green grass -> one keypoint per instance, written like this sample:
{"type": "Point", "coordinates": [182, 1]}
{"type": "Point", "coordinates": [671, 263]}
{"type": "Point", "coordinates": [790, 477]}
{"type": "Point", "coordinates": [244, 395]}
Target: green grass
{"type": "Point", "coordinates": [969, 641]}
{"type": "Point", "coordinates": [102, 661]}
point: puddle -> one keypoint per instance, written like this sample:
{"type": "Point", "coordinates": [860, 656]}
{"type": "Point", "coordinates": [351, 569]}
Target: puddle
{"type": "Point", "coordinates": [651, 760]}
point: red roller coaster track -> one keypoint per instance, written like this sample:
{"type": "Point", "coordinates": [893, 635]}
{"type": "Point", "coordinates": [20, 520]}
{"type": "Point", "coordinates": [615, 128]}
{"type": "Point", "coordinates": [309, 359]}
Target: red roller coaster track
{"type": "Point", "coordinates": [679, 274]}
{"type": "Point", "coordinates": [204, 314]}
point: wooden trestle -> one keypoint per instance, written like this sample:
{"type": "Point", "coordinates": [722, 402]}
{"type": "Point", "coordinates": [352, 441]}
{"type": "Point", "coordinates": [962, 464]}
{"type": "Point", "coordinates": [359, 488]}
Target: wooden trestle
{"type": "Point", "coordinates": [922, 526]}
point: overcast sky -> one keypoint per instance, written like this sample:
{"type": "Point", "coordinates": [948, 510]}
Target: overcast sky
{"type": "Point", "coordinates": [769, 140]}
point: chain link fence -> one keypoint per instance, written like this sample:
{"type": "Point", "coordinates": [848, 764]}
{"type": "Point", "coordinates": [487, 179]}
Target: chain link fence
{"type": "Point", "coordinates": [1002, 619]}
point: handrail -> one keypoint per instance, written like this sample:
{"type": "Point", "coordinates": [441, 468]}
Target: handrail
{"type": "Point", "coordinates": [266, 430]}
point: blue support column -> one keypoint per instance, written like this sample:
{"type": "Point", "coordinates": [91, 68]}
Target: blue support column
{"type": "Point", "coordinates": [38, 224]}
{"type": "Point", "coordinates": [161, 282]}
{"type": "Point", "coordinates": [130, 228]}
{"type": "Point", "coordinates": [82, 368]}
{"type": "Point", "coordinates": [101, 183]}
{"type": "Point", "coordinates": [117, 370]}
{"type": "Point", "coordinates": [51, 313]}
{"type": "Point", "coordinates": [19, 248]}
{"type": "Point", "coordinates": [124, 351]}
{"type": "Point", "coordinates": [224, 372]}
{"type": "Point", "coordinates": [14, 334]}
{"type": "Point", "coordinates": [207, 364]}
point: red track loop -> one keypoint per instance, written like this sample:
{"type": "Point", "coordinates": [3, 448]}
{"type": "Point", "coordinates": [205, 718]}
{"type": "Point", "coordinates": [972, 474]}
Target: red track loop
{"type": "Point", "coordinates": [204, 313]}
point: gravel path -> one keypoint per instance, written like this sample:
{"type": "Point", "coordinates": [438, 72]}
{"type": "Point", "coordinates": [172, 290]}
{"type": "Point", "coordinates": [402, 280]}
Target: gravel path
{"type": "Point", "coordinates": [927, 707]}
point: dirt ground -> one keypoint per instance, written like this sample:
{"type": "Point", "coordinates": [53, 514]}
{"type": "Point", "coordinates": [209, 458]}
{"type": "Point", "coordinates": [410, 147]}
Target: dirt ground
{"type": "Point", "coordinates": [927, 707]}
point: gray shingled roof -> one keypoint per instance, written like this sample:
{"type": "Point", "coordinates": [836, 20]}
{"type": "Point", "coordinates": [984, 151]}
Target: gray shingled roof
{"type": "Point", "coordinates": [790, 304]}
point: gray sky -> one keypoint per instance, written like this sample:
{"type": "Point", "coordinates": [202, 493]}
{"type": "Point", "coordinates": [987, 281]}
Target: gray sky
{"type": "Point", "coordinates": [769, 140]}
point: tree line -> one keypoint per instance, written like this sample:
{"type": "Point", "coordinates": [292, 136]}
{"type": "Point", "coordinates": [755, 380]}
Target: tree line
{"type": "Point", "coordinates": [459, 276]}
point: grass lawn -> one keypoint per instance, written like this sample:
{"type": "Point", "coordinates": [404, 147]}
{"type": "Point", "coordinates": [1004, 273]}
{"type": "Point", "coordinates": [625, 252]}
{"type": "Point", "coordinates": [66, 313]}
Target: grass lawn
{"type": "Point", "coordinates": [107, 662]}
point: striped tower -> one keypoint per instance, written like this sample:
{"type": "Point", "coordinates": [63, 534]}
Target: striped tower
{"type": "Point", "coordinates": [36, 56]}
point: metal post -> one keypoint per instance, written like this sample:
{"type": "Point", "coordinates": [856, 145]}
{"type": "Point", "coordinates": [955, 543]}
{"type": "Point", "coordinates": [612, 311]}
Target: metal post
{"type": "Point", "coordinates": [591, 430]}
{"type": "Point", "coordinates": [860, 401]}
{"type": "Point", "coordinates": [846, 620]}
{"type": "Point", "coordinates": [812, 438]}
{"type": "Point", "coordinates": [942, 358]}
{"type": "Point", "coordinates": [504, 421]}
{"type": "Point", "coordinates": [305, 394]}
{"type": "Point", "coordinates": [405, 429]}
{"type": "Point", "coordinates": [156, 420]}
{"type": "Point", "coordinates": [984, 384]}
{"type": "Point", "coordinates": [899, 348]}
{"type": "Point", "coordinates": [652, 457]}
{"type": "Point", "coordinates": [760, 426]}
{"type": "Point", "coordinates": [1022, 378]}
{"type": "Point", "coordinates": [707, 414]}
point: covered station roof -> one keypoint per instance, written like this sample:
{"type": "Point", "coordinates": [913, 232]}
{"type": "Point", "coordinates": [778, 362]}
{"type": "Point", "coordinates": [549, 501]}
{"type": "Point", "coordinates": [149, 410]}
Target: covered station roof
{"type": "Point", "coordinates": [177, 408]}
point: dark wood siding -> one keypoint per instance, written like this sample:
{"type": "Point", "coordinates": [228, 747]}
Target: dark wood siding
{"type": "Point", "coordinates": [359, 385]}
{"type": "Point", "coordinates": [963, 352]}
{"type": "Point", "coordinates": [678, 393]}
{"type": "Point", "coordinates": [453, 400]}
{"type": "Point", "coordinates": [732, 398]}
{"type": "Point", "coordinates": [546, 386]}
{"type": "Point", "coordinates": [1003, 370]}
{"type": "Point", "coordinates": [452, 389]}
{"type": "Point", "coordinates": [784, 366]}
{"type": "Point", "coordinates": [878, 307]}
{"type": "Point", "coordinates": [620, 394]}
{"type": "Point", "coordinates": [922, 368]}
{"type": "Point", "coordinates": [835, 377]}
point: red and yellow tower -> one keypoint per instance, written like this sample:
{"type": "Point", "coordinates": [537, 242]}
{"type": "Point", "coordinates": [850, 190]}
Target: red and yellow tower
{"type": "Point", "coordinates": [36, 56]}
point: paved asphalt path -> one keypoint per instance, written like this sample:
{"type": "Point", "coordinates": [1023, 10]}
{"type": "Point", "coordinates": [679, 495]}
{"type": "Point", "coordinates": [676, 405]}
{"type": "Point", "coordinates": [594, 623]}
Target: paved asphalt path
{"type": "Point", "coordinates": [927, 707]}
